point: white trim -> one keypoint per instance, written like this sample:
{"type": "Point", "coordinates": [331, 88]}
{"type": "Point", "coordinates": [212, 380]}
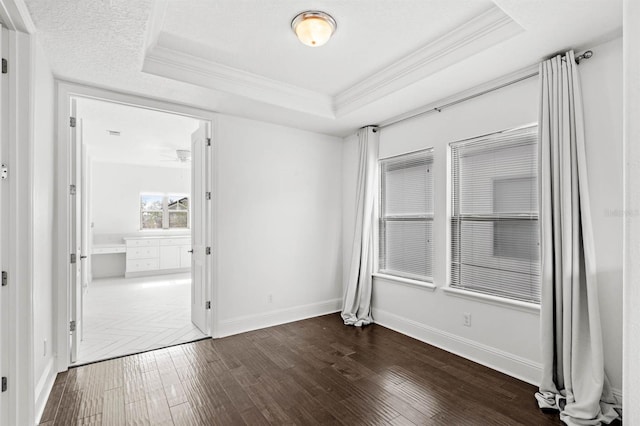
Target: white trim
{"type": "Point", "coordinates": [16, 17]}
{"type": "Point", "coordinates": [493, 300]}
{"type": "Point", "coordinates": [617, 394]}
{"type": "Point", "coordinates": [407, 281]}
{"type": "Point", "coordinates": [246, 323]}
{"type": "Point", "coordinates": [505, 362]}
{"type": "Point", "coordinates": [18, 261]}
{"type": "Point", "coordinates": [167, 62]}
{"type": "Point", "coordinates": [65, 91]}
{"type": "Point", "coordinates": [480, 33]}
{"type": "Point", "coordinates": [164, 57]}
{"type": "Point", "coordinates": [43, 388]}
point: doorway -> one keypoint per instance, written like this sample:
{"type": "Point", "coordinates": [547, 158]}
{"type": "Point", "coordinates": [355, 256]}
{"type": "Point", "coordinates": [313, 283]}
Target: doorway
{"type": "Point", "coordinates": [137, 229]}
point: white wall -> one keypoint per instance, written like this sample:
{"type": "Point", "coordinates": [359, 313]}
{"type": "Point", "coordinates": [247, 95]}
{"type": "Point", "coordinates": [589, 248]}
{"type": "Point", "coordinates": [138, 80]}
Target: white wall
{"type": "Point", "coordinates": [279, 224]}
{"type": "Point", "coordinates": [116, 190]}
{"type": "Point", "coordinates": [631, 296]}
{"type": "Point", "coordinates": [43, 208]}
{"type": "Point", "coordinates": [503, 337]}
{"type": "Point", "coordinates": [115, 205]}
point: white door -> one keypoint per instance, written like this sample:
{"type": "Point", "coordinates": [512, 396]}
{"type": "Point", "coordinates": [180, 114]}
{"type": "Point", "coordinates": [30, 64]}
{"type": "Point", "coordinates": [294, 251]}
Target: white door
{"type": "Point", "coordinates": [4, 308]}
{"type": "Point", "coordinates": [199, 185]}
{"type": "Point", "coordinates": [76, 232]}
{"type": "Point", "coordinates": [85, 226]}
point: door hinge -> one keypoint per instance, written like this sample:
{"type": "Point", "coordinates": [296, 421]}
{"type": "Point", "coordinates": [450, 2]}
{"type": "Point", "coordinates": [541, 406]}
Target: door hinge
{"type": "Point", "coordinates": [208, 141]}
{"type": "Point", "coordinates": [72, 189]}
{"type": "Point", "coordinates": [4, 384]}
{"type": "Point", "coordinates": [207, 195]}
{"type": "Point", "coordinates": [208, 251]}
{"type": "Point", "coordinates": [72, 326]}
{"type": "Point", "coordinates": [5, 66]}
{"type": "Point", "coordinates": [5, 279]}
{"type": "Point", "coordinates": [208, 305]}
{"type": "Point", "coordinates": [73, 258]}
{"type": "Point", "coordinates": [4, 171]}
{"type": "Point", "coordinates": [72, 121]}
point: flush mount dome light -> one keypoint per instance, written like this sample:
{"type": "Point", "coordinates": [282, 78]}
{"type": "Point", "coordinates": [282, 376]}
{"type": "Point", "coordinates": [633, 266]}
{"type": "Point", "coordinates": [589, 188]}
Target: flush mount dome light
{"type": "Point", "coordinates": [313, 28]}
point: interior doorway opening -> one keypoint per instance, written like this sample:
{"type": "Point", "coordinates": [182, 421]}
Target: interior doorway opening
{"type": "Point", "coordinates": [137, 229]}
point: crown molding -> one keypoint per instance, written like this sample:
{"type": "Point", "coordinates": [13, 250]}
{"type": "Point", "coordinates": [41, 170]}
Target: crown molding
{"type": "Point", "coordinates": [480, 33]}
{"type": "Point", "coordinates": [165, 58]}
{"type": "Point", "coordinates": [16, 17]}
{"type": "Point", "coordinates": [168, 62]}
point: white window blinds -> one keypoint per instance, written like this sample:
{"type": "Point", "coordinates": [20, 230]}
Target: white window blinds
{"type": "Point", "coordinates": [406, 215]}
{"type": "Point", "coordinates": [494, 221]}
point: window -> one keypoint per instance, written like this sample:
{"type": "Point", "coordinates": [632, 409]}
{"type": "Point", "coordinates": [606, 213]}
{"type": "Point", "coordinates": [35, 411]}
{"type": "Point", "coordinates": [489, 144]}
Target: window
{"type": "Point", "coordinates": [494, 215]}
{"type": "Point", "coordinates": [160, 211]}
{"type": "Point", "coordinates": [406, 216]}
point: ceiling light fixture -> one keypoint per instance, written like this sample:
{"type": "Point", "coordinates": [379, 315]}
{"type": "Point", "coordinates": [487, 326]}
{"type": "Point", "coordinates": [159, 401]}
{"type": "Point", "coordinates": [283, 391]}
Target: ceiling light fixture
{"type": "Point", "coordinates": [313, 28]}
{"type": "Point", "coordinates": [183, 155]}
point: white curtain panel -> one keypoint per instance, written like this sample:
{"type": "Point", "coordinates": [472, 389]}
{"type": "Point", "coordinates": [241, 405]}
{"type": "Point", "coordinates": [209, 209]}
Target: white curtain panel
{"type": "Point", "coordinates": [356, 306]}
{"type": "Point", "coordinates": [573, 380]}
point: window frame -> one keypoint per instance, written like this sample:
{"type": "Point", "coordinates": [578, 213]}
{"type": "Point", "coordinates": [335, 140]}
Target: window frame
{"type": "Point", "coordinates": [383, 219]}
{"type": "Point", "coordinates": [491, 217]}
{"type": "Point", "coordinates": [165, 210]}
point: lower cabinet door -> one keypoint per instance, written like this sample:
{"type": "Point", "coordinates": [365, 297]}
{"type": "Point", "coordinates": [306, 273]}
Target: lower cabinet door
{"type": "Point", "coordinates": [185, 256]}
{"type": "Point", "coordinates": [169, 257]}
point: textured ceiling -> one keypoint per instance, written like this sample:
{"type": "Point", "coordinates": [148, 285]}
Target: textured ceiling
{"type": "Point", "coordinates": [146, 137]}
{"type": "Point", "coordinates": [106, 43]}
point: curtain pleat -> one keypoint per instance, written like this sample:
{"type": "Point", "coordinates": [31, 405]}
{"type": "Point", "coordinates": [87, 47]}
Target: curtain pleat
{"type": "Point", "coordinates": [356, 307]}
{"type": "Point", "coordinates": [573, 381]}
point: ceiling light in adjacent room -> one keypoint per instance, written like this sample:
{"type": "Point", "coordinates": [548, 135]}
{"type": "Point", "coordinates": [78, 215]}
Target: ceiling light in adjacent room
{"type": "Point", "coordinates": [313, 28]}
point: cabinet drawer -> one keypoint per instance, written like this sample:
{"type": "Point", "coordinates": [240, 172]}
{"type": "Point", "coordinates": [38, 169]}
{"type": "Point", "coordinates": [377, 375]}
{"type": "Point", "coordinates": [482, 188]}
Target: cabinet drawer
{"type": "Point", "coordinates": [137, 265]}
{"type": "Point", "coordinates": [175, 241]}
{"type": "Point", "coordinates": [108, 250]}
{"type": "Point", "coordinates": [142, 253]}
{"type": "Point", "coordinates": [142, 243]}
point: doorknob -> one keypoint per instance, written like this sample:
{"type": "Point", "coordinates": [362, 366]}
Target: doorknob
{"type": "Point", "coordinates": [191, 251]}
{"type": "Point", "coordinates": [83, 257]}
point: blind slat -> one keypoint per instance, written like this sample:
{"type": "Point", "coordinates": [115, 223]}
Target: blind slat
{"type": "Point", "coordinates": [406, 215]}
{"type": "Point", "coordinates": [494, 223]}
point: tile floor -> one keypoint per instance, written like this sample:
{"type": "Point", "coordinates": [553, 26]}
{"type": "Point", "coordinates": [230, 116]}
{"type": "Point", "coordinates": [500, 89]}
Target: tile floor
{"type": "Point", "coordinates": [129, 315]}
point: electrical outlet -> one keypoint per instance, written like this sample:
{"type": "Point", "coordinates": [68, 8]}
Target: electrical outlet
{"type": "Point", "coordinates": [44, 348]}
{"type": "Point", "coordinates": [270, 298]}
{"type": "Point", "coordinates": [467, 319]}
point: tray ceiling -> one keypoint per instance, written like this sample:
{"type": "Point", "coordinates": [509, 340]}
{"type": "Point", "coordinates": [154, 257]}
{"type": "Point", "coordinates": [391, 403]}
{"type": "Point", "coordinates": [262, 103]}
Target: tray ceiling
{"type": "Point", "coordinates": [240, 56]}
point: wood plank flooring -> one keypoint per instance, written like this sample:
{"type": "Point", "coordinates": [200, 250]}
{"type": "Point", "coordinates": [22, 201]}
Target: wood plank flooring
{"type": "Point", "coordinates": [315, 371]}
{"type": "Point", "coordinates": [124, 316]}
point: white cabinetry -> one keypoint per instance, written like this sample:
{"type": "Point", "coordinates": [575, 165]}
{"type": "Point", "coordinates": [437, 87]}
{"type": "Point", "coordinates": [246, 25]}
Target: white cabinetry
{"type": "Point", "coordinates": [157, 255]}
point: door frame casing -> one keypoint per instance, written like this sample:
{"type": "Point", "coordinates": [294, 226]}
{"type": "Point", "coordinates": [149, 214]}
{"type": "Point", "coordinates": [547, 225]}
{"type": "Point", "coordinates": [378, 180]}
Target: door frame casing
{"type": "Point", "coordinates": [65, 91]}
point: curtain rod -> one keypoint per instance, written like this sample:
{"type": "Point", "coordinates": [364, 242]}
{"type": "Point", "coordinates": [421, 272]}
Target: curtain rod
{"type": "Point", "coordinates": [586, 55]}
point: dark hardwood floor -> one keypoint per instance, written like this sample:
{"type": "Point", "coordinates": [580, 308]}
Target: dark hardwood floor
{"type": "Point", "coordinates": [316, 371]}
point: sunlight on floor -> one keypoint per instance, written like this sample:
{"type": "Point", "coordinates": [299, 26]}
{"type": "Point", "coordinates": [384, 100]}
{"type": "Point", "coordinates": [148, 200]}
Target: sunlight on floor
{"type": "Point", "coordinates": [124, 316]}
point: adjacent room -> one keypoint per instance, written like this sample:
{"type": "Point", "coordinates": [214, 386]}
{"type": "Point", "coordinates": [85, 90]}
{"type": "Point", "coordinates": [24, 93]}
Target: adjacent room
{"type": "Point", "coordinates": [317, 212]}
{"type": "Point", "coordinates": [135, 230]}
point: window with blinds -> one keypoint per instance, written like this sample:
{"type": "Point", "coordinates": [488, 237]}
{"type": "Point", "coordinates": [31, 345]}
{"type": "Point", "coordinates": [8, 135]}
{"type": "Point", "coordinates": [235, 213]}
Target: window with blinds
{"type": "Point", "coordinates": [406, 216]}
{"type": "Point", "coordinates": [494, 215]}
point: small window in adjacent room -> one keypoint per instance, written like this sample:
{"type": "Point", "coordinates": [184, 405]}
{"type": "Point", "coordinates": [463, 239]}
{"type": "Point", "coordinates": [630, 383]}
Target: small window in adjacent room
{"type": "Point", "coordinates": [406, 216]}
{"type": "Point", "coordinates": [494, 215]}
{"type": "Point", "coordinates": [159, 211]}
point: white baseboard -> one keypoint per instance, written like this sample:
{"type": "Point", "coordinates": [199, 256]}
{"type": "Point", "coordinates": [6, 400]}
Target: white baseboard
{"type": "Point", "coordinates": [512, 365]}
{"type": "Point", "coordinates": [617, 393]}
{"type": "Point", "coordinates": [281, 316]}
{"type": "Point", "coordinates": [43, 388]}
